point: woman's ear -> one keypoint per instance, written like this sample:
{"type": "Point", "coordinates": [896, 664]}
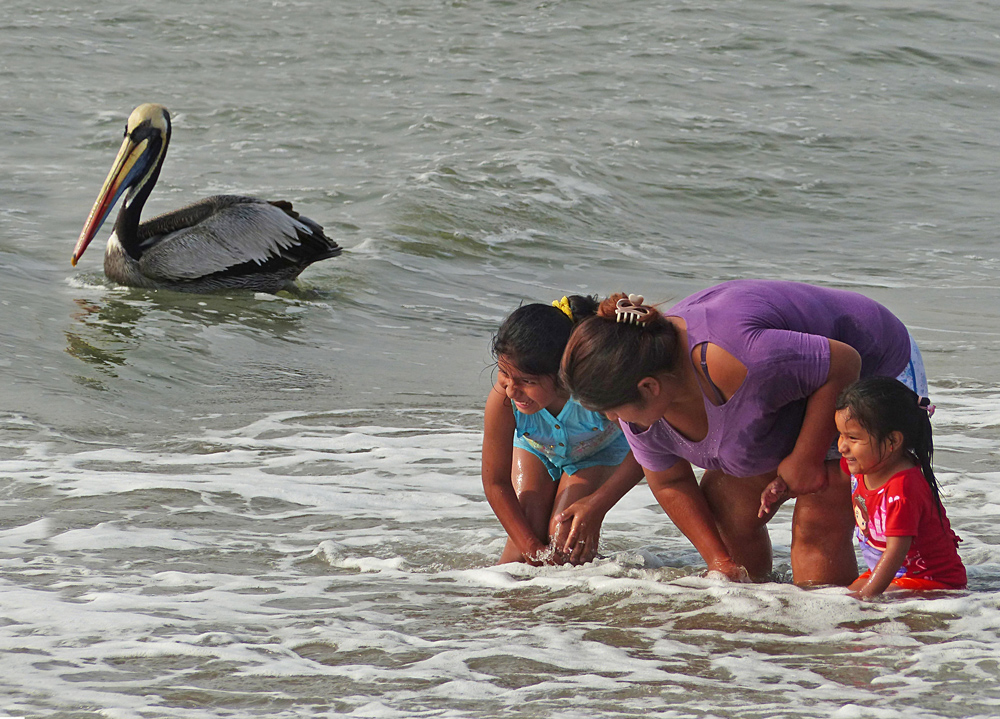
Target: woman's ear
{"type": "Point", "coordinates": [649, 387]}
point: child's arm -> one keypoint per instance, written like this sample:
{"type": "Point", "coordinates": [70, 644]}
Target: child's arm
{"type": "Point", "coordinates": [885, 571]}
{"type": "Point", "coordinates": [773, 495]}
{"type": "Point", "coordinates": [587, 513]}
{"type": "Point", "coordinates": [498, 438]}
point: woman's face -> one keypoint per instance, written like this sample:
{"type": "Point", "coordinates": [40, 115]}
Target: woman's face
{"type": "Point", "coordinates": [645, 411]}
{"type": "Point", "coordinates": [642, 414]}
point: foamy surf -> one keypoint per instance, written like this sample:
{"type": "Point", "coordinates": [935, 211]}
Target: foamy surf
{"type": "Point", "coordinates": [321, 549]}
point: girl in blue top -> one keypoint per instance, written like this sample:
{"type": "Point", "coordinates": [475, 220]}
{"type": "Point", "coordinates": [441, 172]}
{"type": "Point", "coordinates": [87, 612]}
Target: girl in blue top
{"type": "Point", "coordinates": [542, 451]}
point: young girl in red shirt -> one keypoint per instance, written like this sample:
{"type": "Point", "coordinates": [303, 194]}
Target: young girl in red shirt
{"type": "Point", "coordinates": [905, 536]}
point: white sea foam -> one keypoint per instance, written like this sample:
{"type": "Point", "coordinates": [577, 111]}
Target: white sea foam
{"type": "Point", "coordinates": [314, 546]}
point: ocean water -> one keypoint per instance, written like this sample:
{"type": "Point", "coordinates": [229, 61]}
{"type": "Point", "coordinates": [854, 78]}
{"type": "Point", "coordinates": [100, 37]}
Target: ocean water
{"type": "Point", "coordinates": [245, 505]}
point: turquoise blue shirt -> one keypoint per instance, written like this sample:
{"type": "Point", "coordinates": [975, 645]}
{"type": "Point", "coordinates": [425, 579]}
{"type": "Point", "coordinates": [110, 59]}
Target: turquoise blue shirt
{"type": "Point", "coordinates": [577, 438]}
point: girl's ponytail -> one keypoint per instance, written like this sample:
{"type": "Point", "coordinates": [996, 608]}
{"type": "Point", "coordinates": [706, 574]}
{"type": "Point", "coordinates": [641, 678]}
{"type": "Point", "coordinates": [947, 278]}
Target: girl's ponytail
{"type": "Point", "coordinates": [577, 307]}
{"type": "Point", "coordinates": [923, 449]}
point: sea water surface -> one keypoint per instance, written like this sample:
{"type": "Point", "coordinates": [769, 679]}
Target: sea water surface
{"type": "Point", "coordinates": [242, 505]}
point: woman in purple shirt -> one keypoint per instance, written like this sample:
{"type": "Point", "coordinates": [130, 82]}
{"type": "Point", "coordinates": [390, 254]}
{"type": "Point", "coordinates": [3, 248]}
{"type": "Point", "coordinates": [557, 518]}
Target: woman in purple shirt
{"type": "Point", "coordinates": [739, 379]}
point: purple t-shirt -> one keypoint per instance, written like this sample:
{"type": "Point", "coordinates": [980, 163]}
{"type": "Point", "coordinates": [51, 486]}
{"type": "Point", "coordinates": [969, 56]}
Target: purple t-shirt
{"type": "Point", "coordinates": [779, 331]}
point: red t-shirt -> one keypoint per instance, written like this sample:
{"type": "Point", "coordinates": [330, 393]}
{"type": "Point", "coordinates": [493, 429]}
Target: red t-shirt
{"type": "Point", "coordinates": [904, 507]}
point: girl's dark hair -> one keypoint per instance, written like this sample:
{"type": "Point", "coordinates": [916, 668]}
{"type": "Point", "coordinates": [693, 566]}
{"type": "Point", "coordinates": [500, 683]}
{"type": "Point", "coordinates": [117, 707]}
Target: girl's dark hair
{"type": "Point", "coordinates": [533, 336]}
{"type": "Point", "coordinates": [604, 359]}
{"type": "Point", "coordinates": [883, 405]}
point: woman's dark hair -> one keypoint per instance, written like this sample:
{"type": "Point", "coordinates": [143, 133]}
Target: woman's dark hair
{"type": "Point", "coordinates": [533, 336]}
{"type": "Point", "coordinates": [605, 359]}
{"type": "Point", "coordinates": [883, 405]}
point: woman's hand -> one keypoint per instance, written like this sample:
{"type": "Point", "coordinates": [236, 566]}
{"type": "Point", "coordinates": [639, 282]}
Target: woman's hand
{"type": "Point", "coordinates": [578, 530]}
{"type": "Point", "coordinates": [802, 476]}
{"type": "Point", "coordinates": [577, 527]}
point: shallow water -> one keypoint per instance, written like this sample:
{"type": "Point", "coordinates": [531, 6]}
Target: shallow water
{"type": "Point", "coordinates": [250, 505]}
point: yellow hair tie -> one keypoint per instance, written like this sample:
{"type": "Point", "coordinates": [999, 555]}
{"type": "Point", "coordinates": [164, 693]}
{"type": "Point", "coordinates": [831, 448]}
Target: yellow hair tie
{"type": "Point", "coordinates": [563, 305]}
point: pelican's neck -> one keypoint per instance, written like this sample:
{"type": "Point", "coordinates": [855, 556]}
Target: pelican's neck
{"type": "Point", "coordinates": [126, 230]}
{"type": "Point", "coordinates": [127, 224]}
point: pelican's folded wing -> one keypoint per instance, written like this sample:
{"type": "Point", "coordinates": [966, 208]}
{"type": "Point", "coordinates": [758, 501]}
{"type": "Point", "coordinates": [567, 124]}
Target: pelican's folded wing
{"type": "Point", "coordinates": [216, 235]}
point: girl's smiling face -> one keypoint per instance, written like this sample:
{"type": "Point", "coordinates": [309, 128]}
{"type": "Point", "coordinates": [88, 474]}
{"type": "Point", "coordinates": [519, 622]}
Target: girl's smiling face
{"type": "Point", "coordinates": [529, 393]}
{"type": "Point", "coordinates": [857, 446]}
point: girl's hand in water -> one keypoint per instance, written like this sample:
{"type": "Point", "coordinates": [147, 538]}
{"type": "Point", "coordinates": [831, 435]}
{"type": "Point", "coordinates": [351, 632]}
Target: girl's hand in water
{"type": "Point", "coordinates": [549, 555]}
{"type": "Point", "coordinates": [774, 494]}
{"type": "Point", "coordinates": [730, 570]}
{"type": "Point", "coordinates": [538, 555]}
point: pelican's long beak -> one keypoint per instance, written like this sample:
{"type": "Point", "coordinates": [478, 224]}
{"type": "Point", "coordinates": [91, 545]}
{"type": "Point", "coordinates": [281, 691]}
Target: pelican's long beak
{"type": "Point", "coordinates": [124, 174]}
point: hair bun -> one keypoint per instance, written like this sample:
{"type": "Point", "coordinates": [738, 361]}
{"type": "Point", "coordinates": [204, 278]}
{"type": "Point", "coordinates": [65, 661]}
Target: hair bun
{"type": "Point", "coordinates": [628, 309]}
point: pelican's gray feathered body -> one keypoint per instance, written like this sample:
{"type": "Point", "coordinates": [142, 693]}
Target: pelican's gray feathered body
{"type": "Point", "coordinates": [221, 242]}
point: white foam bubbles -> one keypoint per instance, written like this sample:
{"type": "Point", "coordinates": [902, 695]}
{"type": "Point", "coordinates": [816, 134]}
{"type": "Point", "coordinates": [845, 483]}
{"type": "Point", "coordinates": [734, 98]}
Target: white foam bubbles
{"type": "Point", "coordinates": [330, 548]}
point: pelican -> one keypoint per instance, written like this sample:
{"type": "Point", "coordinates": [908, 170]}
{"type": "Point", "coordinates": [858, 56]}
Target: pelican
{"type": "Point", "coordinates": [221, 242]}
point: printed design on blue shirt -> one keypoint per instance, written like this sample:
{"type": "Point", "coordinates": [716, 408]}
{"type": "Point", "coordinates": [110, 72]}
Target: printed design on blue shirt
{"type": "Point", "coordinates": [577, 448]}
{"type": "Point", "coordinates": [572, 437]}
